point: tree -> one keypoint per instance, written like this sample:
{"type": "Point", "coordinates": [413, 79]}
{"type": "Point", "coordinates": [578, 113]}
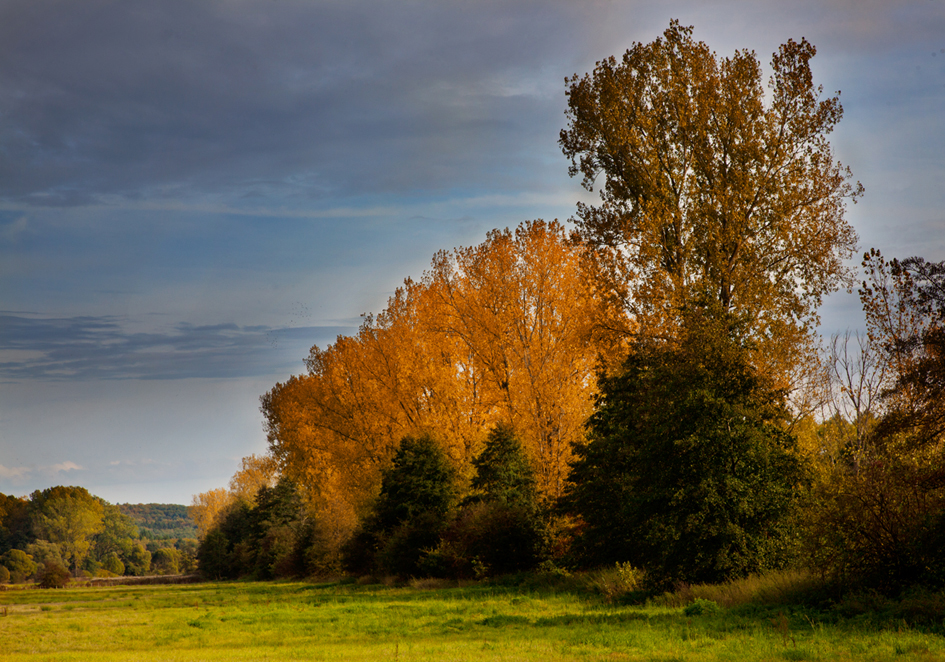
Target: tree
{"type": "Point", "coordinates": [68, 517]}
{"type": "Point", "coordinates": [500, 528]}
{"type": "Point", "coordinates": [904, 303]}
{"type": "Point", "coordinates": [417, 498]}
{"type": "Point", "coordinates": [502, 331]}
{"type": "Point", "coordinates": [165, 561]}
{"type": "Point", "coordinates": [14, 522]}
{"type": "Point", "coordinates": [858, 376]}
{"type": "Point", "coordinates": [710, 193]}
{"type": "Point", "coordinates": [118, 536]}
{"type": "Point", "coordinates": [138, 560]}
{"type": "Point", "coordinates": [19, 564]}
{"type": "Point", "coordinates": [255, 473]}
{"type": "Point", "coordinates": [881, 523]}
{"type": "Point", "coordinates": [688, 470]}
{"type": "Point", "coordinates": [503, 472]}
{"type": "Point", "coordinates": [208, 507]}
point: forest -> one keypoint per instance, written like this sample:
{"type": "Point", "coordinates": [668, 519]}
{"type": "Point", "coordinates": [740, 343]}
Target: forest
{"type": "Point", "coordinates": [643, 389]}
{"type": "Point", "coordinates": [62, 532]}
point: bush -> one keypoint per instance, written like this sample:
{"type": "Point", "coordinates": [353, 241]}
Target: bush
{"type": "Point", "coordinates": [699, 606]}
{"type": "Point", "coordinates": [112, 564]}
{"type": "Point", "coordinates": [618, 582]}
{"type": "Point", "coordinates": [19, 563]}
{"type": "Point", "coordinates": [4, 574]}
{"type": "Point", "coordinates": [53, 575]}
{"type": "Point", "coordinates": [491, 538]}
{"type": "Point", "coordinates": [881, 527]}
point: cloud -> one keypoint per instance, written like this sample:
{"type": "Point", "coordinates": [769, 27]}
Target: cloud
{"type": "Point", "coordinates": [87, 347]}
{"type": "Point", "coordinates": [65, 466]}
{"type": "Point", "coordinates": [14, 473]}
{"type": "Point", "coordinates": [249, 100]}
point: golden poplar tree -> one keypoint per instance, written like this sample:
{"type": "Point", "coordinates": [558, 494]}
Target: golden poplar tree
{"type": "Point", "coordinates": [714, 194]}
{"type": "Point", "coordinates": [500, 332]}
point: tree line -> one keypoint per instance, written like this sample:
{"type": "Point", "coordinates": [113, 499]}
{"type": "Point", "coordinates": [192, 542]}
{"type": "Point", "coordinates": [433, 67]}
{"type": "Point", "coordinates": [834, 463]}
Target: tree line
{"type": "Point", "coordinates": [63, 532]}
{"type": "Point", "coordinates": [647, 388]}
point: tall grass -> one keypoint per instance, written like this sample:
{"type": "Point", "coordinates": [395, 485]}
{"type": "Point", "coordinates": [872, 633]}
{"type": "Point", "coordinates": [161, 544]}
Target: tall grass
{"type": "Point", "coordinates": [783, 587]}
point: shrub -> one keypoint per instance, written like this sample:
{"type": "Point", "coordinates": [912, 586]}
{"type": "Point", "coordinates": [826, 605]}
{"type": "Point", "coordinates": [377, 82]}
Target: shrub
{"type": "Point", "coordinates": [699, 606]}
{"type": "Point", "coordinates": [492, 538]}
{"type": "Point", "coordinates": [112, 564]}
{"type": "Point", "coordinates": [19, 563]}
{"type": "Point", "coordinates": [881, 527]}
{"type": "Point", "coordinates": [617, 582]}
{"type": "Point", "coordinates": [4, 574]}
{"type": "Point", "coordinates": [53, 575]}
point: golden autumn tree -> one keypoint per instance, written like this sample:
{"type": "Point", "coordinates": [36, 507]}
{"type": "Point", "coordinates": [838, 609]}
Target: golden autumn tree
{"type": "Point", "coordinates": [500, 332]}
{"type": "Point", "coordinates": [255, 473]}
{"type": "Point", "coordinates": [714, 193]}
{"type": "Point", "coordinates": [207, 508]}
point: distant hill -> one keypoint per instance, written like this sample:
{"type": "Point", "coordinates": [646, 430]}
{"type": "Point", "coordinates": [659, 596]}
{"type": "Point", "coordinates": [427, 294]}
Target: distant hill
{"type": "Point", "coordinates": [160, 520]}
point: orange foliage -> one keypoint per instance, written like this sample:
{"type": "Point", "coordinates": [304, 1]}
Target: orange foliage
{"type": "Point", "coordinates": [504, 331]}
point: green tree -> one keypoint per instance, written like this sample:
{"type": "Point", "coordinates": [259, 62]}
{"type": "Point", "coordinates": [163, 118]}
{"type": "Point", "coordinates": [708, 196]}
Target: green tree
{"type": "Point", "coordinates": [112, 563]}
{"type": "Point", "coordinates": [14, 522]}
{"type": "Point", "coordinates": [165, 561]}
{"type": "Point", "coordinates": [68, 517]}
{"type": "Point", "coordinates": [138, 560]}
{"type": "Point", "coordinates": [420, 480]}
{"type": "Point", "coordinates": [418, 495]}
{"type": "Point", "coordinates": [688, 471]}
{"type": "Point", "coordinates": [277, 517]}
{"type": "Point", "coordinates": [19, 563]}
{"type": "Point", "coordinates": [713, 190]}
{"type": "Point", "coordinates": [500, 528]}
{"type": "Point", "coordinates": [503, 472]}
{"type": "Point", "coordinates": [118, 534]}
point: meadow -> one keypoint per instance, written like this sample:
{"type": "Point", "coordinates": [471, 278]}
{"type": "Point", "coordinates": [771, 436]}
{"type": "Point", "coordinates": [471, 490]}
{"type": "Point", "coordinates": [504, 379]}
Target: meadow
{"type": "Point", "coordinates": [425, 621]}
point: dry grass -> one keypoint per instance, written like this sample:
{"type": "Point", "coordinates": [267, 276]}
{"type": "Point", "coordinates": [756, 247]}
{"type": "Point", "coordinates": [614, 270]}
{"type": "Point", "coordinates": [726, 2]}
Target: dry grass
{"type": "Point", "coordinates": [772, 588]}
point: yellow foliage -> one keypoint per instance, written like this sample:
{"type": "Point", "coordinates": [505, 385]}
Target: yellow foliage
{"type": "Point", "coordinates": [207, 507]}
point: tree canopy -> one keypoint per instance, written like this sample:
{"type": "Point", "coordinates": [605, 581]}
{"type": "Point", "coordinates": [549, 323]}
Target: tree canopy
{"type": "Point", "coordinates": [495, 332]}
{"type": "Point", "coordinates": [710, 193]}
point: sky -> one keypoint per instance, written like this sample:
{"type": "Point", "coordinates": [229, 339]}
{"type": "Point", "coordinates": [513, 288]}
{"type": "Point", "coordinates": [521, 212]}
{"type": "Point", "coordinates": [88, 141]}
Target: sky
{"type": "Point", "coordinates": [192, 194]}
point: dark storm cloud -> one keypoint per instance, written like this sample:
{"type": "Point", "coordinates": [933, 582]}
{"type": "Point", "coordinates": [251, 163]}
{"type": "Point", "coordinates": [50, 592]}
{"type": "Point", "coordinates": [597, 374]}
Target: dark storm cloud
{"type": "Point", "coordinates": [82, 348]}
{"type": "Point", "coordinates": [247, 100]}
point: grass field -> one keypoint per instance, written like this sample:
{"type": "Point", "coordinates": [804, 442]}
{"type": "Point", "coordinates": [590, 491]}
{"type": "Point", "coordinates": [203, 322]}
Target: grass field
{"type": "Point", "coordinates": [303, 621]}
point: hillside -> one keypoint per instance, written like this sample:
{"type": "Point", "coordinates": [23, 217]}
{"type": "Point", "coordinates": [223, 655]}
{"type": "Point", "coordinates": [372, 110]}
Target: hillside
{"type": "Point", "coordinates": [160, 520]}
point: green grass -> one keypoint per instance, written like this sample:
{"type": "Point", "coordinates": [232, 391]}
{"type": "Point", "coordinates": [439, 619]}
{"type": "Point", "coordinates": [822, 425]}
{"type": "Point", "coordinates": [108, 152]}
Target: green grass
{"type": "Point", "coordinates": [302, 621]}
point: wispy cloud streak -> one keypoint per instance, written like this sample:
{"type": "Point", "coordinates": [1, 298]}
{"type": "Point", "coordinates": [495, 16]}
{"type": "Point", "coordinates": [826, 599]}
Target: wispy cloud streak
{"type": "Point", "coordinates": [82, 348]}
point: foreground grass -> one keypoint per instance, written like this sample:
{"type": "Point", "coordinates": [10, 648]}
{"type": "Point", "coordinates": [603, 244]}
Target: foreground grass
{"type": "Point", "coordinates": [301, 621]}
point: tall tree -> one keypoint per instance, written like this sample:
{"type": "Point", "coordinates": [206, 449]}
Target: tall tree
{"type": "Point", "coordinates": [502, 331]}
{"type": "Point", "coordinates": [713, 190]}
{"type": "Point", "coordinates": [68, 517]}
{"type": "Point", "coordinates": [208, 507]}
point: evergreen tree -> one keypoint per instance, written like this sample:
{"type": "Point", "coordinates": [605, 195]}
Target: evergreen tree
{"type": "Point", "coordinates": [688, 471]}
{"type": "Point", "coordinates": [417, 499]}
